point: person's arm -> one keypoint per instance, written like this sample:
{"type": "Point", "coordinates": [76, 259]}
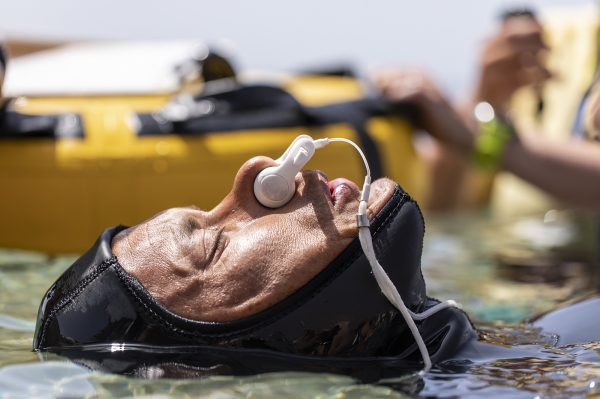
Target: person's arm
{"type": "Point", "coordinates": [509, 61]}
{"type": "Point", "coordinates": [569, 171]}
{"type": "Point", "coordinates": [447, 157]}
{"type": "Point", "coordinates": [447, 179]}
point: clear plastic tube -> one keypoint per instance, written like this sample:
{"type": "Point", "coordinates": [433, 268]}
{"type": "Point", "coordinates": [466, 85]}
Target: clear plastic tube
{"type": "Point", "coordinates": [352, 143]}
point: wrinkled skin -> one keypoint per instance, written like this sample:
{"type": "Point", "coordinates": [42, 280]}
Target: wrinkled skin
{"type": "Point", "coordinates": [241, 257]}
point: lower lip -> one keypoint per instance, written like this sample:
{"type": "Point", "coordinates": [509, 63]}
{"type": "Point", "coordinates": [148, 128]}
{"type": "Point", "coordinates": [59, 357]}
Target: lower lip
{"type": "Point", "coordinates": [340, 188]}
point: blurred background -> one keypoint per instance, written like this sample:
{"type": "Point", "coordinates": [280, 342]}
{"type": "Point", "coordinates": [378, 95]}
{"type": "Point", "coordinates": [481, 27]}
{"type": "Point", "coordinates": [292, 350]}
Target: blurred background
{"type": "Point", "coordinates": [443, 37]}
{"type": "Point", "coordinates": [110, 106]}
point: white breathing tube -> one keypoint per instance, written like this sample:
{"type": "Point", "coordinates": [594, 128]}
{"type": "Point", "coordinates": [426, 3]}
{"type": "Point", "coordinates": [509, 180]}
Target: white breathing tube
{"type": "Point", "coordinates": [384, 282]}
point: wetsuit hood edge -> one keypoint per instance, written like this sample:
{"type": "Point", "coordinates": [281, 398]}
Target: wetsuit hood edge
{"type": "Point", "coordinates": [341, 312]}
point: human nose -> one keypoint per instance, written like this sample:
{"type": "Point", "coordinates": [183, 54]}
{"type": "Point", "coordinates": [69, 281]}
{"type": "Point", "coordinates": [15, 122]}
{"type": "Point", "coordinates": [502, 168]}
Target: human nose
{"type": "Point", "coordinates": [243, 186]}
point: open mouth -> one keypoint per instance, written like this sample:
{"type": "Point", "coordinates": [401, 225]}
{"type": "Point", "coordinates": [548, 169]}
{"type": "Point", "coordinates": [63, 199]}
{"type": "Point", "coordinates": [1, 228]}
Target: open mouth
{"type": "Point", "coordinates": [341, 188]}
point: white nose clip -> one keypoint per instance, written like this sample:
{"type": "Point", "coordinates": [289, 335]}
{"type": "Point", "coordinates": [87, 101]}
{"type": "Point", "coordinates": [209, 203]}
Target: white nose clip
{"type": "Point", "coordinates": [275, 186]}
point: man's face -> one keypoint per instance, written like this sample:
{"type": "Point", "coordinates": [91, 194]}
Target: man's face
{"type": "Point", "coordinates": [241, 257]}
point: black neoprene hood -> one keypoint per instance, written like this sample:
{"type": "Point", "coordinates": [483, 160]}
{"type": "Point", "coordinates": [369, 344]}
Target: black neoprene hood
{"type": "Point", "coordinates": [340, 313]}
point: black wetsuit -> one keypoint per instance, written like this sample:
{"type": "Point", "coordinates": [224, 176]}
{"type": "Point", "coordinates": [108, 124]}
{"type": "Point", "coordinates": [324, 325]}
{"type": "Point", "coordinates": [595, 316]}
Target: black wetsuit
{"type": "Point", "coordinates": [338, 322]}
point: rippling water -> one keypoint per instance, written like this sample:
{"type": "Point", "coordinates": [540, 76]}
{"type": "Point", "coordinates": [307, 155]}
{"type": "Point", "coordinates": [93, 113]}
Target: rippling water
{"type": "Point", "coordinates": [501, 273]}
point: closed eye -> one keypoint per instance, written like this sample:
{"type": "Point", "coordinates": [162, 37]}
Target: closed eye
{"type": "Point", "coordinates": [216, 249]}
{"type": "Point", "coordinates": [190, 225]}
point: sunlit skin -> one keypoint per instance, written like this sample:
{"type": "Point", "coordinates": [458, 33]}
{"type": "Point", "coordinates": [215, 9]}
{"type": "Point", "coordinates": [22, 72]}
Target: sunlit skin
{"type": "Point", "coordinates": [241, 257]}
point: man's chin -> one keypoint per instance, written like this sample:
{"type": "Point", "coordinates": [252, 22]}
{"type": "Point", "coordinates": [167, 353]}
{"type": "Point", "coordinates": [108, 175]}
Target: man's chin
{"type": "Point", "coordinates": [381, 192]}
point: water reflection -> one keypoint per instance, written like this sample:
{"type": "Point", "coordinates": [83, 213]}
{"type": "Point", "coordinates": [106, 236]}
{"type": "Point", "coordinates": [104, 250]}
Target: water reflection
{"type": "Point", "coordinates": [45, 380]}
{"type": "Point", "coordinates": [276, 385]}
{"type": "Point", "coordinates": [498, 270]}
{"type": "Point", "coordinates": [557, 372]}
{"type": "Point", "coordinates": [512, 335]}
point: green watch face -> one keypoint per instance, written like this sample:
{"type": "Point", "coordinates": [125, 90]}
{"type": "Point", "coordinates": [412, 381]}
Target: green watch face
{"type": "Point", "coordinates": [494, 136]}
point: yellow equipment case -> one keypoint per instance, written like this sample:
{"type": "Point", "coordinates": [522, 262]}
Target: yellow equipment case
{"type": "Point", "coordinates": [92, 162]}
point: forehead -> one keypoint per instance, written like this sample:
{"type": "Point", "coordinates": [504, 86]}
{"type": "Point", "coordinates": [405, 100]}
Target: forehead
{"type": "Point", "coordinates": [186, 218]}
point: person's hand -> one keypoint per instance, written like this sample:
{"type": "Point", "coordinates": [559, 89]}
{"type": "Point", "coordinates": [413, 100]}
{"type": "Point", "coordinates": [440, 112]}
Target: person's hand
{"type": "Point", "coordinates": [510, 60]}
{"type": "Point", "coordinates": [435, 113]}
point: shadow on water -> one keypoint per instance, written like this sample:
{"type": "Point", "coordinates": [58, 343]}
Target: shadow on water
{"type": "Point", "coordinates": [501, 273]}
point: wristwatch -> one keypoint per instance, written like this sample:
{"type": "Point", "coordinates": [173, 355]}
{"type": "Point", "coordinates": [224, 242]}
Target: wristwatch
{"type": "Point", "coordinates": [495, 132]}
